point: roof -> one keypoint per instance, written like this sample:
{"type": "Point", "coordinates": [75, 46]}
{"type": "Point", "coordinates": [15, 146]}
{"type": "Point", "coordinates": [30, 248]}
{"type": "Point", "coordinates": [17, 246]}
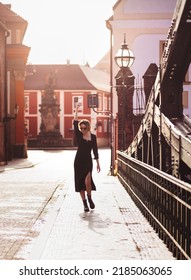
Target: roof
{"type": "Point", "coordinates": [151, 70]}
{"type": "Point", "coordinates": [116, 4]}
{"type": "Point", "coordinates": [67, 77]}
{"type": "Point", "coordinates": [10, 18]}
{"type": "Point", "coordinates": [4, 27]}
{"type": "Point", "coordinates": [104, 63]}
{"type": "Point", "coordinates": [7, 15]}
{"type": "Point", "coordinates": [98, 78]}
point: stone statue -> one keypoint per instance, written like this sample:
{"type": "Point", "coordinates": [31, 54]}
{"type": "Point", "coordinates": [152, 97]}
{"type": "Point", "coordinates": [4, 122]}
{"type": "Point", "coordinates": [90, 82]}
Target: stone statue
{"type": "Point", "coordinates": [49, 130]}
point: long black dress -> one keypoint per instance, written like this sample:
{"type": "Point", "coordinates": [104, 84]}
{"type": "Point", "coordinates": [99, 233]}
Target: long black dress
{"type": "Point", "coordinates": [83, 159]}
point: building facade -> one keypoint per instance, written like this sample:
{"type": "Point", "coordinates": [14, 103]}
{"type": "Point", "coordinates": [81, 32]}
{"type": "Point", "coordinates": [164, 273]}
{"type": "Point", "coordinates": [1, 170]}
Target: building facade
{"type": "Point", "coordinates": [145, 24]}
{"type": "Point", "coordinates": [72, 84]}
{"type": "Point", "coordinates": [13, 59]}
{"type": "Point", "coordinates": [3, 34]}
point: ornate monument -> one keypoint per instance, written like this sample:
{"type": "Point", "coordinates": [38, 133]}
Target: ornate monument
{"type": "Point", "coordinates": [49, 135]}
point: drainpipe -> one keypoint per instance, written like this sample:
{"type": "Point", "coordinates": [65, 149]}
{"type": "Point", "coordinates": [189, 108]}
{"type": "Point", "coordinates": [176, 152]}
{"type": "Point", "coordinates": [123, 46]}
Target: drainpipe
{"type": "Point", "coordinates": [112, 164]}
{"type": "Point", "coordinates": [7, 33]}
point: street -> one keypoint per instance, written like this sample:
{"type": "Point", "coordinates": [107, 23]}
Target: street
{"type": "Point", "coordinates": [41, 217]}
{"type": "Point", "coordinates": [28, 188]}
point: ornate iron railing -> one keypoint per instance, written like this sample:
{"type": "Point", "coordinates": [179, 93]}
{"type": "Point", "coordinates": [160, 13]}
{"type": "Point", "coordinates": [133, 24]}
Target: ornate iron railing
{"type": "Point", "coordinates": [164, 200]}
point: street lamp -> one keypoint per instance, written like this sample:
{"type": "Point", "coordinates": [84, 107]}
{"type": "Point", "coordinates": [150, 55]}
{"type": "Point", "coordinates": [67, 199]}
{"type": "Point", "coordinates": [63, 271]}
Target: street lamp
{"type": "Point", "coordinates": [124, 59]}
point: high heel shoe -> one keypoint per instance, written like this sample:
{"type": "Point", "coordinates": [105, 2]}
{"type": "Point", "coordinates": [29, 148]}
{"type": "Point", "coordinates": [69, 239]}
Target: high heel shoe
{"type": "Point", "coordinates": [92, 205]}
{"type": "Point", "coordinates": [86, 208]}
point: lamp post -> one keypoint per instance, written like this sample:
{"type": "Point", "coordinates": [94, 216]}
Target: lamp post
{"type": "Point", "coordinates": [124, 59]}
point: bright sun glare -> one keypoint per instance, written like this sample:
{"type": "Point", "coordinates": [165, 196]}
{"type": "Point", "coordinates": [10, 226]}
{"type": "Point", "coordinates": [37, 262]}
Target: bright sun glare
{"type": "Point", "coordinates": [65, 29]}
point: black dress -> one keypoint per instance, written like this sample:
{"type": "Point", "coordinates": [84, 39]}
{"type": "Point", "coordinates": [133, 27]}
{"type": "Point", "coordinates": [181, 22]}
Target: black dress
{"type": "Point", "coordinates": [83, 159]}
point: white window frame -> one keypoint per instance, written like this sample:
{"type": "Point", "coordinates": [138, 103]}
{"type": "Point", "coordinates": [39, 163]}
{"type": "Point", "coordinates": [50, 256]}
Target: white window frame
{"type": "Point", "coordinates": [18, 36]}
{"type": "Point", "coordinates": [105, 125]}
{"type": "Point", "coordinates": [185, 100]}
{"type": "Point", "coordinates": [100, 102]}
{"type": "Point", "coordinates": [77, 99]}
{"type": "Point", "coordinates": [9, 38]}
{"type": "Point", "coordinates": [26, 105]}
{"type": "Point", "coordinates": [105, 103]}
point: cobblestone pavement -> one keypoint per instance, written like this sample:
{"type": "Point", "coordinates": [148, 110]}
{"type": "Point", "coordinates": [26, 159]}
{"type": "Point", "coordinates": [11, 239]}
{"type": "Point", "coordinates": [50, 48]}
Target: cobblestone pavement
{"type": "Point", "coordinates": [27, 191]}
{"type": "Point", "coordinates": [41, 216]}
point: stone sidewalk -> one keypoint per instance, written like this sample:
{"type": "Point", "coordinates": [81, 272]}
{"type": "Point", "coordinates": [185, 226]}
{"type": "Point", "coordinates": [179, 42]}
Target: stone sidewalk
{"type": "Point", "coordinates": [115, 229]}
{"type": "Point", "coordinates": [27, 193]}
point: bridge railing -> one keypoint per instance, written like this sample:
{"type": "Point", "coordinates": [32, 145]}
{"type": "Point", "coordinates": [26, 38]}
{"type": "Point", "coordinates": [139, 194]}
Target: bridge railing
{"type": "Point", "coordinates": [164, 200]}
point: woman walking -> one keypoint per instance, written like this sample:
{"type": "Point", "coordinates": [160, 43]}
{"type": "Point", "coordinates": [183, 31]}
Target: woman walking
{"type": "Point", "coordinates": [83, 165]}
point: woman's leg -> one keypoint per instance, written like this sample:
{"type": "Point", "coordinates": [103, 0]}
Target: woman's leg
{"type": "Point", "coordinates": [82, 194]}
{"type": "Point", "coordinates": [88, 182]}
{"type": "Point", "coordinates": [83, 197]}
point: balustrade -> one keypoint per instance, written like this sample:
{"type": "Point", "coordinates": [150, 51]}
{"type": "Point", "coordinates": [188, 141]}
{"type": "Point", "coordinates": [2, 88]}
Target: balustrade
{"type": "Point", "coordinates": [163, 199]}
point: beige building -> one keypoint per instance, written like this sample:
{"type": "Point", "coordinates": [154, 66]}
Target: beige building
{"type": "Point", "coordinates": [146, 24]}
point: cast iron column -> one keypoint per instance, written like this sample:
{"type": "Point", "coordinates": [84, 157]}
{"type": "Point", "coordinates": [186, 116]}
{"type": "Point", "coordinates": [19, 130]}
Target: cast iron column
{"type": "Point", "coordinates": [125, 89]}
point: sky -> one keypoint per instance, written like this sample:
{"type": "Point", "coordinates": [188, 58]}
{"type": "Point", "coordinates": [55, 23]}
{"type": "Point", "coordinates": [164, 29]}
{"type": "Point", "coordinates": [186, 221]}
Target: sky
{"type": "Point", "coordinates": [61, 30]}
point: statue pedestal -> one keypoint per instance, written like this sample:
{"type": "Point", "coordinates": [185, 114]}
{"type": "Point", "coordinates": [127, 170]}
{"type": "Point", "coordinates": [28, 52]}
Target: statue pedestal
{"type": "Point", "coordinates": [50, 135]}
{"type": "Point", "coordinates": [50, 140]}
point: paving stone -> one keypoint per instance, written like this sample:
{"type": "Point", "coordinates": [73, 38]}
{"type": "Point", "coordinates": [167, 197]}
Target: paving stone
{"type": "Point", "coordinates": [116, 229]}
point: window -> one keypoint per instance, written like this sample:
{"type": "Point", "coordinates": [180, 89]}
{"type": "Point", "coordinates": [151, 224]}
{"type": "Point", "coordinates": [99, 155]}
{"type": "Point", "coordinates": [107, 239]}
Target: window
{"type": "Point", "coordinates": [78, 99]}
{"type": "Point", "coordinates": [105, 126]}
{"type": "Point", "coordinates": [100, 104]}
{"type": "Point", "coordinates": [185, 99]}
{"type": "Point", "coordinates": [186, 79]}
{"type": "Point", "coordinates": [161, 48]}
{"type": "Point", "coordinates": [18, 36]}
{"type": "Point", "coordinates": [9, 38]}
{"type": "Point", "coordinates": [100, 128]}
{"type": "Point", "coordinates": [105, 104]}
{"type": "Point", "coordinates": [27, 105]}
{"type": "Point", "coordinates": [26, 126]}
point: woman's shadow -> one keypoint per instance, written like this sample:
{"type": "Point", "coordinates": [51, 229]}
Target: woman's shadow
{"type": "Point", "coordinates": [95, 221]}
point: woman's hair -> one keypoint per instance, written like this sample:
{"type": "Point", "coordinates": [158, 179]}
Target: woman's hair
{"type": "Point", "coordinates": [86, 123]}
